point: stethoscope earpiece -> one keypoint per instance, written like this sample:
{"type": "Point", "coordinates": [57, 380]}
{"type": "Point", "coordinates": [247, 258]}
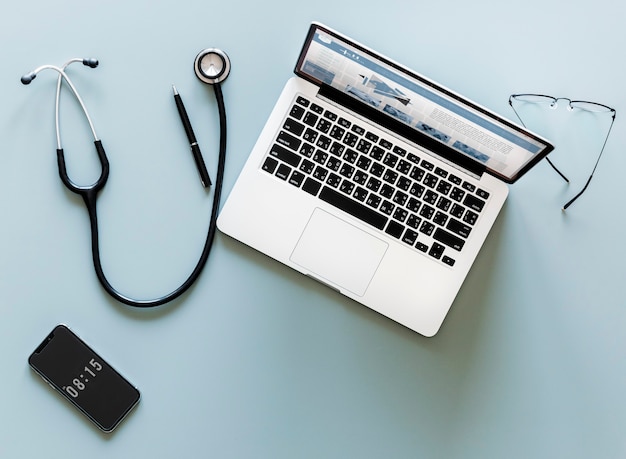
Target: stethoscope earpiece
{"type": "Point", "coordinates": [212, 65]}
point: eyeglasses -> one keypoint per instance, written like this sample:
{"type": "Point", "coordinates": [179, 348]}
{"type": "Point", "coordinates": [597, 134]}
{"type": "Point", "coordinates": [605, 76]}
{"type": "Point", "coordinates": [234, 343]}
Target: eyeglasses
{"type": "Point", "coordinates": [552, 102]}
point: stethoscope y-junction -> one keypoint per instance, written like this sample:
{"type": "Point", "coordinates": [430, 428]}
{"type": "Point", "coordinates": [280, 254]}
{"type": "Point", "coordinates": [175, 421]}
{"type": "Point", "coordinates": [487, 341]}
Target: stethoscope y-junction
{"type": "Point", "coordinates": [211, 66]}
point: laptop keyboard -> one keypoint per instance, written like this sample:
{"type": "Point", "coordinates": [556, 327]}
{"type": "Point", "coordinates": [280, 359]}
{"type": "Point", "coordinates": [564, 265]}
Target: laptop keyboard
{"type": "Point", "coordinates": [382, 184]}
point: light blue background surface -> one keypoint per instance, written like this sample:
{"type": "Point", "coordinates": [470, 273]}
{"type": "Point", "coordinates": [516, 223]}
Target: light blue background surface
{"type": "Point", "coordinates": [257, 361]}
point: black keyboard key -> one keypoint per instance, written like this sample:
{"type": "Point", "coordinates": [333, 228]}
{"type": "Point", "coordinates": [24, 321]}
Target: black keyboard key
{"type": "Point", "coordinates": [324, 126]}
{"type": "Point", "coordinates": [474, 203]}
{"type": "Point", "coordinates": [373, 201]}
{"type": "Point", "coordinates": [436, 251]}
{"type": "Point", "coordinates": [344, 123]}
{"type": "Point", "coordinates": [334, 180]}
{"type": "Point", "coordinates": [470, 217]}
{"type": "Point", "coordinates": [440, 218]}
{"type": "Point", "coordinates": [317, 109]}
{"type": "Point", "coordinates": [404, 167]}
{"type": "Point", "coordinates": [394, 229]}
{"type": "Point", "coordinates": [447, 260]}
{"type": "Point", "coordinates": [360, 177]}
{"type": "Point", "coordinates": [459, 228]}
{"type": "Point", "coordinates": [297, 112]}
{"type": "Point", "coordinates": [413, 158]}
{"type": "Point", "coordinates": [353, 208]}
{"type": "Point", "coordinates": [293, 126]}
{"type": "Point", "coordinates": [404, 183]}
{"type": "Point", "coordinates": [409, 237]}
{"type": "Point", "coordinates": [427, 228]}
{"type": "Point", "coordinates": [482, 193]}
{"type": "Point", "coordinates": [330, 115]}
{"type": "Point", "coordinates": [310, 119]}
{"type": "Point", "coordinates": [371, 137]}
{"type": "Point", "coordinates": [454, 179]}
{"type": "Point", "coordinates": [270, 165]}
{"type": "Point", "coordinates": [430, 197]}
{"type": "Point", "coordinates": [444, 187]}
{"type": "Point", "coordinates": [347, 187]}
{"type": "Point", "coordinates": [307, 166]}
{"type": "Point", "coordinates": [333, 163]}
{"type": "Point", "coordinates": [390, 176]}
{"type": "Point", "coordinates": [385, 144]}
{"type": "Point", "coordinates": [297, 178]}
{"type": "Point", "coordinates": [427, 165]}
{"type": "Point", "coordinates": [302, 101]}
{"type": "Point", "coordinates": [390, 160]}
{"type": "Point", "coordinates": [400, 198]}
{"type": "Point", "coordinates": [337, 149]}
{"type": "Point", "coordinates": [351, 156]}
{"type": "Point", "coordinates": [377, 153]}
{"type": "Point", "coordinates": [469, 187]}
{"type": "Point", "coordinates": [320, 173]}
{"type": "Point", "coordinates": [320, 157]}
{"type": "Point", "coordinates": [311, 186]}
{"type": "Point", "coordinates": [444, 204]}
{"type": "Point", "coordinates": [358, 129]}
{"type": "Point", "coordinates": [430, 180]}
{"type": "Point", "coordinates": [457, 194]}
{"type": "Point", "coordinates": [387, 207]}
{"type": "Point", "coordinates": [387, 191]}
{"type": "Point", "coordinates": [288, 140]}
{"type": "Point", "coordinates": [363, 162]}
{"type": "Point", "coordinates": [414, 221]}
{"type": "Point", "coordinates": [457, 211]}
{"type": "Point", "coordinates": [399, 151]}
{"type": "Point", "coordinates": [324, 142]}
{"type": "Point", "coordinates": [364, 146]}
{"type": "Point", "coordinates": [427, 212]}
{"type": "Point", "coordinates": [283, 172]}
{"type": "Point", "coordinates": [417, 173]}
{"type": "Point", "coordinates": [350, 139]}
{"type": "Point", "coordinates": [360, 194]}
{"type": "Point", "coordinates": [400, 214]}
{"type": "Point", "coordinates": [417, 190]}
{"type": "Point", "coordinates": [377, 169]}
{"type": "Point", "coordinates": [421, 247]}
{"type": "Point", "coordinates": [413, 205]}
{"type": "Point", "coordinates": [310, 135]}
{"type": "Point", "coordinates": [337, 132]}
{"type": "Point", "coordinates": [285, 155]}
{"type": "Point", "coordinates": [373, 184]}
{"type": "Point", "coordinates": [448, 239]}
{"type": "Point", "coordinates": [347, 170]}
{"type": "Point", "coordinates": [440, 172]}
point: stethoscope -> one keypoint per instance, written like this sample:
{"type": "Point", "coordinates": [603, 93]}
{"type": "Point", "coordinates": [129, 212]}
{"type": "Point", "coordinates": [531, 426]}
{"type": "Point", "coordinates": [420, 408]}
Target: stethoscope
{"type": "Point", "coordinates": [211, 66]}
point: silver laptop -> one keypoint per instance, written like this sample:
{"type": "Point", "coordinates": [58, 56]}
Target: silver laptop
{"type": "Point", "coordinates": [376, 181]}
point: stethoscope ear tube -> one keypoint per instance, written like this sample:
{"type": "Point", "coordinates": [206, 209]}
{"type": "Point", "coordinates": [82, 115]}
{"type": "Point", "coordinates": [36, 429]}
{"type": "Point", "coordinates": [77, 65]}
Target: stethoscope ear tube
{"type": "Point", "coordinates": [82, 190]}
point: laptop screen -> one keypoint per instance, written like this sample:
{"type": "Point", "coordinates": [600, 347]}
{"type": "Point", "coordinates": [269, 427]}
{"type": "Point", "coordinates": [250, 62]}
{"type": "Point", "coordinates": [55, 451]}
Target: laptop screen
{"type": "Point", "coordinates": [506, 150]}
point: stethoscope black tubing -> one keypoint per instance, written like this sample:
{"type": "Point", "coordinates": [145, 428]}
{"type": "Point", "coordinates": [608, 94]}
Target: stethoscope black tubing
{"type": "Point", "coordinates": [89, 195]}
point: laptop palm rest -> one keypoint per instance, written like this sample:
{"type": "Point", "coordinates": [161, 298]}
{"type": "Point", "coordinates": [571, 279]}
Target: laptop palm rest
{"type": "Point", "coordinates": [338, 252]}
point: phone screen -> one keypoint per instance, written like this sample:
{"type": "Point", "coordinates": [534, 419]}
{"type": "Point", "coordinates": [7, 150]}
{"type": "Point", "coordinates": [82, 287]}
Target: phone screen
{"type": "Point", "coordinates": [84, 378]}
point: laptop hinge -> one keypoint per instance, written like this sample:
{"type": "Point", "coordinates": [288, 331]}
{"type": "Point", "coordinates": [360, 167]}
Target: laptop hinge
{"type": "Point", "coordinates": [430, 144]}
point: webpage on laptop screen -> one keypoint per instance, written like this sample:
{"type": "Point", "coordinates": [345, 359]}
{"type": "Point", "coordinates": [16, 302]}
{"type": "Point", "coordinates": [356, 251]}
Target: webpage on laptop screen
{"type": "Point", "coordinates": [346, 68]}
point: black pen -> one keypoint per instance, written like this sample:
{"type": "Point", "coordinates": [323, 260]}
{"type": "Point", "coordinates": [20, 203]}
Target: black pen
{"type": "Point", "coordinates": [195, 149]}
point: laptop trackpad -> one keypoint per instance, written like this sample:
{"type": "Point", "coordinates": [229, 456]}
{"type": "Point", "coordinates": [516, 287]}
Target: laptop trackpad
{"type": "Point", "coordinates": [338, 252]}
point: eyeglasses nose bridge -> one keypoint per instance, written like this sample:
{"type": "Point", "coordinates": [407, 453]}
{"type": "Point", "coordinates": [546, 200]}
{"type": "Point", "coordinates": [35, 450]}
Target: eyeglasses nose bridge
{"type": "Point", "coordinates": [555, 103]}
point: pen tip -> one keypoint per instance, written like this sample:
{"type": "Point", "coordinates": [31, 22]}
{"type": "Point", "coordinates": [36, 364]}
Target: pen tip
{"type": "Point", "coordinates": [175, 91]}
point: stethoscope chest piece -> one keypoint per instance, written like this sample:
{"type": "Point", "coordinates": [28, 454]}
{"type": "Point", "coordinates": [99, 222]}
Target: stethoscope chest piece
{"type": "Point", "coordinates": [212, 65]}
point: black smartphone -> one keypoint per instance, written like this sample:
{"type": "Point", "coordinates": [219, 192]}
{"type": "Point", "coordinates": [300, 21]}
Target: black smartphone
{"type": "Point", "coordinates": [84, 378]}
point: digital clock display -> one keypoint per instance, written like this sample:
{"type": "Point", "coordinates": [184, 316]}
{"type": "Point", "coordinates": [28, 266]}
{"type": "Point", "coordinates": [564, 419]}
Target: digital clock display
{"type": "Point", "coordinates": [84, 378]}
